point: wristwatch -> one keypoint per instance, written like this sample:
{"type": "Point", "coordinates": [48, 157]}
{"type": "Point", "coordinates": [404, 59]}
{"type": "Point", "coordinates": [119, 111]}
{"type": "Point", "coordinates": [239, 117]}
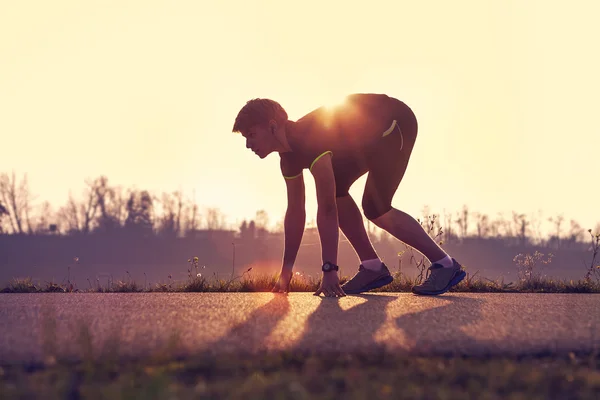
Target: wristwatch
{"type": "Point", "coordinates": [329, 267]}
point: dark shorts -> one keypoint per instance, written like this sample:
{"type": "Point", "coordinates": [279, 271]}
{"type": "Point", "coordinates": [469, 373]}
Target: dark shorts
{"type": "Point", "coordinates": [385, 161]}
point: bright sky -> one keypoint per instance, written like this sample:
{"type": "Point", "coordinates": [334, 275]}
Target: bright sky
{"type": "Point", "coordinates": [146, 93]}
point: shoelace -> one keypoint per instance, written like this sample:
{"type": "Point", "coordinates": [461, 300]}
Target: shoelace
{"type": "Point", "coordinates": [429, 278]}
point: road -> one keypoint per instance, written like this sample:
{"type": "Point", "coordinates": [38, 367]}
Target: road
{"type": "Point", "coordinates": [34, 326]}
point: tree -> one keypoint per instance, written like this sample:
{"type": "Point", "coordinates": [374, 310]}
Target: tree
{"type": "Point", "coordinates": [498, 227]}
{"type": "Point", "coordinates": [576, 233]}
{"type": "Point", "coordinates": [69, 216]}
{"type": "Point", "coordinates": [483, 226]}
{"type": "Point", "coordinates": [81, 218]}
{"type": "Point", "coordinates": [448, 227]}
{"type": "Point", "coordinates": [169, 222]}
{"type": "Point", "coordinates": [215, 220]}
{"type": "Point", "coordinates": [3, 213]}
{"type": "Point", "coordinates": [521, 225]}
{"type": "Point", "coordinates": [45, 221]}
{"type": "Point", "coordinates": [262, 221]}
{"type": "Point", "coordinates": [463, 221]}
{"type": "Point", "coordinates": [557, 223]}
{"type": "Point", "coordinates": [243, 229]}
{"type": "Point", "coordinates": [536, 223]}
{"type": "Point", "coordinates": [16, 199]}
{"type": "Point", "coordinates": [140, 213]}
{"type": "Point", "coordinates": [191, 219]}
{"type": "Point", "coordinates": [112, 206]}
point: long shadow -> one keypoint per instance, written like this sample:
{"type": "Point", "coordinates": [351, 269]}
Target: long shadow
{"type": "Point", "coordinates": [249, 336]}
{"type": "Point", "coordinates": [439, 330]}
{"type": "Point", "coordinates": [331, 329]}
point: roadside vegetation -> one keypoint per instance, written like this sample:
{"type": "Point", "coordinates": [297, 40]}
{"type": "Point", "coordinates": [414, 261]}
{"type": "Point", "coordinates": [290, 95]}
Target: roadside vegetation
{"type": "Point", "coordinates": [530, 280]}
{"type": "Point", "coordinates": [287, 375]}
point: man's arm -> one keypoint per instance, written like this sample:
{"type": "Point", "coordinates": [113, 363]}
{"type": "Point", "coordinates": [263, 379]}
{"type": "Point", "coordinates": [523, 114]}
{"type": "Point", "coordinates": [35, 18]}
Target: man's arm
{"type": "Point", "coordinates": [327, 215]}
{"type": "Point", "coordinates": [295, 219]}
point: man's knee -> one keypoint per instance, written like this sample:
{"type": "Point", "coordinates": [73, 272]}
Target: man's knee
{"type": "Point", "coordinates": [375, 212]}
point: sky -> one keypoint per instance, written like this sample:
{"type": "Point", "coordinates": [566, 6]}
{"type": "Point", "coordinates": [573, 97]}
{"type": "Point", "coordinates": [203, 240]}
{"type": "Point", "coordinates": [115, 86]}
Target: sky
{"type": "Point", "coordinates": [146, 93]}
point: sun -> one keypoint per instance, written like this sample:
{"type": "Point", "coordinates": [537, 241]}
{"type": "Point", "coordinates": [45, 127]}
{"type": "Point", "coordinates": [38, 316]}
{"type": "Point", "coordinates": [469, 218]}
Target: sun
{"type": "Point", "coordinates": [330, 107]}
{"type": "Point", "coordinates": [333, 102]}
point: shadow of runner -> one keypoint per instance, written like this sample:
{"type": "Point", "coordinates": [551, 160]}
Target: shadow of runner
{"type": "Point", "coordinates": [439, 330]}
{"type": "Point", "coordinates": [249, 336]}
{"type": "Point", "coordinates": [331, 329]}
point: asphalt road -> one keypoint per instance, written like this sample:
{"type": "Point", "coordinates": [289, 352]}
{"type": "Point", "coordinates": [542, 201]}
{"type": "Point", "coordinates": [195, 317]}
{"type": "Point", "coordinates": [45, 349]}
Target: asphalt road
{"type": "Point", "coordinates": [35, 326]}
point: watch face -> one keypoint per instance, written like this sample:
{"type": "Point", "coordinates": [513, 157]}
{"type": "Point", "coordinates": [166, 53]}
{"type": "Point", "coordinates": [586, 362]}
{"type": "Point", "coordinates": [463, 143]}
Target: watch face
{"type": "Point", "coordinates": [328, 267]}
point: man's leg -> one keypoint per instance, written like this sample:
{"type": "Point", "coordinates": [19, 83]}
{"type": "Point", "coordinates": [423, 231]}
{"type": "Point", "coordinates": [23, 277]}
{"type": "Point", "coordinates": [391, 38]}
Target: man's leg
{"type": "Point", "coordinates": [386, 169]}
{"type": "Point", "coordinates": [372, 273]}
{"type": "Point", "coordinates": [352, 225]}
{"type": "Point", "coordinates": [406, 229]}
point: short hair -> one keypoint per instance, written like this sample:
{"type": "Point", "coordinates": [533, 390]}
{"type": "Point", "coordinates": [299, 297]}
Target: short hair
{"type": "Point", "coordinates": [259, 111]}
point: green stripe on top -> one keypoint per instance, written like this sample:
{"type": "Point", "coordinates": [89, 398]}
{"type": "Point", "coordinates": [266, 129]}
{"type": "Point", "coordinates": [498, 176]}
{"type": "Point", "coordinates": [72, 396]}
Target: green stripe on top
{"type": "Point", "coordinates": [317, 159]}
{"type": "Point", "coordinates": [390, 129]}
{"type": "Point", "coordinates": [292, 177]}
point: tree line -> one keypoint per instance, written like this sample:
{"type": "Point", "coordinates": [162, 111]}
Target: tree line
{"type": "Point", "coordinates": [109, 209]}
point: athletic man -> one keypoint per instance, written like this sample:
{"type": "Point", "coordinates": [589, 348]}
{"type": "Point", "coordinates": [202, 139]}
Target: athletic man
{"type": "Point", "coordinates": [368, 133]}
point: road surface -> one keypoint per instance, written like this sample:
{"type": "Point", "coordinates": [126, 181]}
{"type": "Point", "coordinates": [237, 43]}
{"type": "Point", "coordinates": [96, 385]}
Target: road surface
{"type": "Point", "coordinates": [69, 326]}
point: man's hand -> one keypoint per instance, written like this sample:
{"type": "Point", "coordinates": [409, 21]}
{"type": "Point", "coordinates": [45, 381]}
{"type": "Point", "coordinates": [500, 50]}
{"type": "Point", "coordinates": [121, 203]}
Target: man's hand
{"type": "Point", "coordinates": [283, 283]}
{"type": "Point", "coordinates": [330, 285]}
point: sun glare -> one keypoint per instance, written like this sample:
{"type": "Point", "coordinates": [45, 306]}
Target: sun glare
{"type": "Point", "coordinates": [334, 102]}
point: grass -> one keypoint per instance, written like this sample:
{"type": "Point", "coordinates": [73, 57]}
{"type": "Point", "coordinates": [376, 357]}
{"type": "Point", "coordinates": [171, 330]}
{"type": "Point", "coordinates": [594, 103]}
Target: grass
{"type": "Point", "coordinates": [287, 375]}
{"type": "Point", "coordinates": [301, 283]}
{"type": "Point", "coordinates": [530, 279]}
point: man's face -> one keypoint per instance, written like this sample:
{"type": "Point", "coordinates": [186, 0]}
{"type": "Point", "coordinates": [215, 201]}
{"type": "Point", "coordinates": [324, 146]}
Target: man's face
{"type": "Point", "coordinates": [260, 140]}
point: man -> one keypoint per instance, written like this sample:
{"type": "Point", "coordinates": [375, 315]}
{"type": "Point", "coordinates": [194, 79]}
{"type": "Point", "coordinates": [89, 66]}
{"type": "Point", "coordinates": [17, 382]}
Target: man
{"type": "Point", "coordinates": [368, 133]}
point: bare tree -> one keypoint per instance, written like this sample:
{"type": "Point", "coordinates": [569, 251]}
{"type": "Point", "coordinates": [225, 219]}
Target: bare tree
{"type": "Point", "coordinates": [215, 220]}
{"type": "Point", "coordinates": [3, 213]}
{"type": "Point", "coordinates": [191, 219]}
{"type": "Point", "coordinates": [504, 226]}
{"type": "Point", "coordinates": [69, 216]}
{"type": "Point", "coordinates": [521, 225]}
{"type": "Point", "coordinates": [449, 229]}
{"type": "Point", "coordinates": [81, 217]}
{"type": "Point", "coordinates": [463, 221]}
{"type": "Point", "coordinates": [17, 199]}
{"type": "Point", "coordinates": [279, 226]}
{"type": "Point", "coordinates": [190, 215]}
{"type": "Point", "coordinates": [495, 228]}
{"type": "Point", "coordinates": [500, 226]}
{"type": "Point", "coordinates": [169, 222]}
{"type": "Point", "coordinates": [112, 204]}
{"type": "Point", "coordinates": [483, 226]}
{"type": "Point", "coordinates": [262, 222]}
{"type": "Point", "coordinates": [557, 223]}
{"type": "Point", "coordinates": [89, 208]}
{"type": "Point", "coordinates": [179, 205]}
{"type": "Point", "coordinates": [45, 220]}
{"type": "Point", "coordinates": [252, 230]}
{"type": "Point", "coordinates": [536, 223]}
{"type": "Point", "coordinates": [261, 219]}
{"type": "Point", "coordinates": [243, 230]}
{"type": "Point", "coordinates": [166, 220]}
{"type": "Point", "coordinates": [140, 213]}
{"type": "Point", "coordinates": [576, 233]}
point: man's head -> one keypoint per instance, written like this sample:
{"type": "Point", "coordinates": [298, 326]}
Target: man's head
{"type": "Point", "coordinates": [261, 121]}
